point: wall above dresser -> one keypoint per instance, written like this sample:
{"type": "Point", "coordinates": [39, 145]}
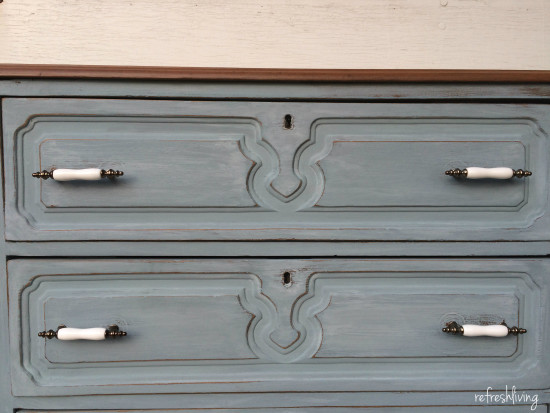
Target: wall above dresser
{"type": "Point", "coordinates": [411, 34]}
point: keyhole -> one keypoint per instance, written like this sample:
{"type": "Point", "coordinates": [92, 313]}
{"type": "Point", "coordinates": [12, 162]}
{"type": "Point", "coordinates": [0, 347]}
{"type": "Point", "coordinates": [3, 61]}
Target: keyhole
{"type": "Point", "coordinates": [288, 122]}
{"type": "Point", "coordinates": [287, 279]}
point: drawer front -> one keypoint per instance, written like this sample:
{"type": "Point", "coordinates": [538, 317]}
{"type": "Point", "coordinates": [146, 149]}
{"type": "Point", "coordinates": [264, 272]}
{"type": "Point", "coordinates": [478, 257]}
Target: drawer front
{"type": "Point", "coordinates": [235, 170]}
{"type": "Point", "coordinates": [277, 325]}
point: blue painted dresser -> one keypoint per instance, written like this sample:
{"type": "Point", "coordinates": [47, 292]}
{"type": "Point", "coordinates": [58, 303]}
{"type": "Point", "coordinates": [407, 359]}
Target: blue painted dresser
{"type": "Point", "coordinates": [274, 247]}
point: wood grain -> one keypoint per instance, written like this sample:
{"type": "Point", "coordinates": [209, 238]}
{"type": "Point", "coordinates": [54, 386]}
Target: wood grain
{"type": "Point", "coordinates": [183, 180]}
{"type": "Point", "coordinates": [273, 74]}
{"type": "Point", "coordinates": [351, 324]}
{"type": "Point", "coordinates": [398, 34]}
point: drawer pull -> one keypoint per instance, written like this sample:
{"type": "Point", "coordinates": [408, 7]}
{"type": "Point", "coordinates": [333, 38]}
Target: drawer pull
{"type": "Point", "coordinates": [471, 330]}
{"type": "Point", "coordinates": [100, 333]}
{"type": "Point", "coordinates": [483, 173]}
{"type": "Point", "coordinates": [92, 174]}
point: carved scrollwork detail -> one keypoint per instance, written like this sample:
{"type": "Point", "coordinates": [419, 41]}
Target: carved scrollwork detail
{"type": "Point", "coordinates": [291, 332]}
{"type": "Point", "coordinates": [308, 174]}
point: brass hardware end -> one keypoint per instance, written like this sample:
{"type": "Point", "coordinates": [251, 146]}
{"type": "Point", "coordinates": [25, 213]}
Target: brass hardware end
{"type": "Point", "coordinates": [113, 331]}
{"type": "Point", "coordinates": [453, 328]}
{"type": "Point", "coordinates": [48, 334]}
{"type": "Point", "coordinates": [110, 173]}
{"type": "Point", "coordinates": [514, 330]}
{"type": "Point", "coordinates": [457, 173]}
{"type": "Point", "coordinates": [44, 174]}
{"type": "Point", "coordinates": [520, 173]}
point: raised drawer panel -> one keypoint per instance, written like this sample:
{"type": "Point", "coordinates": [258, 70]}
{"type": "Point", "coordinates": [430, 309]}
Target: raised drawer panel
{"type": "Point", "coordinates": [389, 174]}
{"type": "Point", "coordinates": [235, 170]}
{"type": "Point", "coordinates": [169, 163]}
{"type": "Point", "coordinates": [232, 325]}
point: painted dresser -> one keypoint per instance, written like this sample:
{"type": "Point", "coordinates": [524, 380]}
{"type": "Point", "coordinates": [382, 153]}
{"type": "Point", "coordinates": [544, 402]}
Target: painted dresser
{"type": "Point", "coordinates": [261, 246]}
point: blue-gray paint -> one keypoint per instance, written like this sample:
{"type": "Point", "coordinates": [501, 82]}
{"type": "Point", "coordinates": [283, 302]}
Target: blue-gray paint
{"type": "Point", "coordinates": [230, 171]}
{"type": "Point", "coordinates": [336, 409]}
{"type": "Point", "coordinates": [276, 249]}
{"type": "Point", "coordinates": [270, 91]}
{"type": "Point", "coordinates": [216, 325]}
{"type": "Point", "coordinates": [367, 322]}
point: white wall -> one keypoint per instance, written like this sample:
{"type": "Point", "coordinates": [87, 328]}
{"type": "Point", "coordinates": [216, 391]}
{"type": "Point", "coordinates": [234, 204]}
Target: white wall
{"type": "Point", "coordinates": [438, 34]}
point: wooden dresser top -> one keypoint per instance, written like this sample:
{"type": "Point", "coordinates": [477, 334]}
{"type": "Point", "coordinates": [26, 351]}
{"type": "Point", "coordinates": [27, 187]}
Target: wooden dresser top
{"type": "Point", "coordinates": [270, 74]}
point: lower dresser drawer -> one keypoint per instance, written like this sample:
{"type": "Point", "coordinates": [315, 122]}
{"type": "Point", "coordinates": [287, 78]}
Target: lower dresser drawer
{"type": "Point", "coordinates": [265, 325]}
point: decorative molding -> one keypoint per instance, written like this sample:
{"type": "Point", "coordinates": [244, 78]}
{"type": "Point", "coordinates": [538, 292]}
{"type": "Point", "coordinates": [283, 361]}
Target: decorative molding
{"type": "Point", "coordinates": [323, 286]}
{"type": "Point", "coordinates": [250, 145]}
{"type": "Point", "coordinates": [319, 146]}
{"type": "Point", "coordinates": [246, 288]}
{"type": "Point", "coordinates": [270, 74]}
{"type": "Point", "coordinates": [345, 314]}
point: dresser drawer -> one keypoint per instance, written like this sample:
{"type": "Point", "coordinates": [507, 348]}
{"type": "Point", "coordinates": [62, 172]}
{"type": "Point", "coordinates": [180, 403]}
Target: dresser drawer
{"type": "Point", "coordinates": [277, 325]}
{"type": "Point", "coordinates": [246, 170]}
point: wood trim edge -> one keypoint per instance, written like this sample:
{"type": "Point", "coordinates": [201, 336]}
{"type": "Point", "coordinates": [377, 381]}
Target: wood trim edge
{"type": "Point", "coordinates": [270, 74]}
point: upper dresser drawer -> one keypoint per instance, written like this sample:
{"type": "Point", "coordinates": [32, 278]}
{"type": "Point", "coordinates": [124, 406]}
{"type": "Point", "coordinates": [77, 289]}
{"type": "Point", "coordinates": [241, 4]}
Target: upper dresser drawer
{"type": "Point", "coordinates": [239, 170]}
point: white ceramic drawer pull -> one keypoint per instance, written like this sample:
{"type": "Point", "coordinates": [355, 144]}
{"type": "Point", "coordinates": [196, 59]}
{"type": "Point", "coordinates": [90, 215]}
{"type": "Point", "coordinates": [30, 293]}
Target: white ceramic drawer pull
{"type": "Point", "coordinates": [471, 330]}
{"type": "Point", "coordinates": [91, 174]}
{"type": "Point", "coordinates": [99, 333]}
{"type": "Point", "coordinates": [484, 173]}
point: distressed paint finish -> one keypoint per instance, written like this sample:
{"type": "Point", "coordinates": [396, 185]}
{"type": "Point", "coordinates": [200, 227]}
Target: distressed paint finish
{"type": "Point", "coordinates": [353, 296]}
{"type": "Point", "coordinates": [277, 91]}
{"type": "Point", "coordinates": [230, 170]}
{"type": "Point", "coordinates": [214, 325]}
{"type": "Point", "coordinates": [277, 249]}
{"type": "Point", "coordinates": [335, 409]}
{"type": "Point", "coordinates": [491, 34]}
